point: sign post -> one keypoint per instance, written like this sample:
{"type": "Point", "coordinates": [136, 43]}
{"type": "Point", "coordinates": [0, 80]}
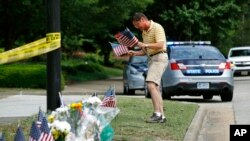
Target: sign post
{"type": "Point", "coordinates": [53, 57]}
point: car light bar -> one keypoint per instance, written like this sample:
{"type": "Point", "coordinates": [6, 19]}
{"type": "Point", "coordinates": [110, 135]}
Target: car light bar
{"type": "Point", "coordinates": [189, 43]}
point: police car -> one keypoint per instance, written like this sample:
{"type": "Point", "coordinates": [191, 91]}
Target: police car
{"type": "Point", "coordinates": [197, 69]}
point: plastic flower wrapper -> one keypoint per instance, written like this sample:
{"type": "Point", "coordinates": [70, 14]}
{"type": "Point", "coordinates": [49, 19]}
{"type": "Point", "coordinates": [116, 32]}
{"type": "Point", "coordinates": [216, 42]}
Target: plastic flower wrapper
{"type": "Point", "coordinates": [89, 130]}
{"type": "Point", "coordinates": [66, 115]}
{"type": "Point", "coordinates": [94, 125]}
{"type": "Point", "coordinates": [88, 119]}
{"type": "Point", "coordinates": [89, 123]}
{"type": "Point", "coordinates": [96, 118]}
{"type": "Point", "coordinates": [75, 114]}
{"type": "Point", "coordinates": [105, 115]}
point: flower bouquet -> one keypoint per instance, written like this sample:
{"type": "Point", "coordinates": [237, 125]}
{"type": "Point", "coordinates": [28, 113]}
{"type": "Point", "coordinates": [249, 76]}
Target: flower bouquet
{"type": "Point", "coordinates": [85, 120]}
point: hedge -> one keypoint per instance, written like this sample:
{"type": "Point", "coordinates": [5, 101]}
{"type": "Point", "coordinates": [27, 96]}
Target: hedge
{"type": "Point", "coordinates": [24, 76]}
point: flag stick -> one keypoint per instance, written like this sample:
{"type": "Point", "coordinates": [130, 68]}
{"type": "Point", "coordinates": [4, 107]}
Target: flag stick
{"type": "Point", "coordinates": [61, 101]}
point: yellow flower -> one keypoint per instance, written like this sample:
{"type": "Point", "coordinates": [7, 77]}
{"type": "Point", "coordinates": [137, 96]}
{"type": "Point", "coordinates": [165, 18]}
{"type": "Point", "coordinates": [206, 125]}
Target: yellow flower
{"type": "Point", "coordinates": [51, 118]}
{"type": "Point", "coordinates": [55, 133]}
{"type": "Point", "coordinates": [77, 105]}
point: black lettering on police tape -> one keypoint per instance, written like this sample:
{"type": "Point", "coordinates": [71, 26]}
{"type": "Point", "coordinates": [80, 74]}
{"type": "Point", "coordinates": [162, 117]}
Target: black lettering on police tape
{"type": "Point", "coordinates": [239, 132]}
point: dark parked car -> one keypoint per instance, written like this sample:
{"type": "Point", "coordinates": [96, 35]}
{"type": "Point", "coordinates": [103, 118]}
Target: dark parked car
{"type": "Point", "coordinates": [134, 75]}
{"type": "Point", "coordinates": [197, 69]}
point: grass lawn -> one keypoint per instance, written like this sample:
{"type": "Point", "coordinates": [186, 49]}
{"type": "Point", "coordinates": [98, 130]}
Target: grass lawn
{"type": "Point", "coordinates": [130, 125]}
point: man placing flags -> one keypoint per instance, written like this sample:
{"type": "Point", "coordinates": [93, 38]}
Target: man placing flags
{"type": "Point", "coordinates": [154, 45]}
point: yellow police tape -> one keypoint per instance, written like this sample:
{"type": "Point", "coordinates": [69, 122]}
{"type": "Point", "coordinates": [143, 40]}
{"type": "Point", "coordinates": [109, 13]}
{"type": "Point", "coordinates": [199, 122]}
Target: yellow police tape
{"type": "Point", "coordinates": [44, 45]}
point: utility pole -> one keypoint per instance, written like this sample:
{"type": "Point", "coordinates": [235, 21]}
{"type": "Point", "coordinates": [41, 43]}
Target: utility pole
{"type": "Point", "coordinates": [53, 57]}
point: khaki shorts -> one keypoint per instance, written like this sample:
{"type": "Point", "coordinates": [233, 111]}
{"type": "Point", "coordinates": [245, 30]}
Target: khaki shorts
{"type": "Point", "coordinates": [156, 67]}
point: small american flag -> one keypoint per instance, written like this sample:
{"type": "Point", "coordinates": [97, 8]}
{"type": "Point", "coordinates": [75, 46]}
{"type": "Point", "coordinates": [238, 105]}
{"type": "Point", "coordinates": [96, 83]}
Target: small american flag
{"type": "Point", "coordinates": [46, 135]}
{"type": "Point", "coordinates": [19, 135]}
{"type": "Point", "coordinates": [119, 49]}
{"type": "Point", "coordinates": [2, 138]}
{"type": "Point", "coordinates": [109, 99]}
{"type": "Point", "coordinates": [39, 118]}
{"type": "Point", "coordinates": [35, 132]}
{"type": "Point", "coordinates": [126, 38]}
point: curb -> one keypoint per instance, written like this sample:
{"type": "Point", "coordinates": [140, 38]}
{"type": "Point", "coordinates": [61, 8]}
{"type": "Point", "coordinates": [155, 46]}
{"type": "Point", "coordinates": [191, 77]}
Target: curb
{"type": "Point", "coordinates": [196, 124]}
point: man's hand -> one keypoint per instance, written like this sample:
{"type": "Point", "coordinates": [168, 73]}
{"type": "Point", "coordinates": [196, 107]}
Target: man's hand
{"type": "Point", "coordinates": [141, 45]}
{"type": "Point", "coordinates": [131, 53]}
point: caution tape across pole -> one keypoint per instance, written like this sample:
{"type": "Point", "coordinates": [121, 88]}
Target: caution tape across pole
{"type": "Point", "coordinates": [41, 46]}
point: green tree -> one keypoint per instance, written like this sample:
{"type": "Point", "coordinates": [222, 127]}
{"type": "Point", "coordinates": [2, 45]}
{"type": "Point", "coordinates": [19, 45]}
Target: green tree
{"type": "Point", "coordinates": [97, 20]}
{"type": "Point", "coordinates": [214, 20]}
{"type": "Point", "coordinates": [21, 21]}
{"type": "Point", "coordinates": [242, 36]}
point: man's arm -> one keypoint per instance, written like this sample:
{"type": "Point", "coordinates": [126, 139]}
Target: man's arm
{"type": "Point", "coordinates": [158, 45]}
{"type": "Point", "coordinates": [136, 53]}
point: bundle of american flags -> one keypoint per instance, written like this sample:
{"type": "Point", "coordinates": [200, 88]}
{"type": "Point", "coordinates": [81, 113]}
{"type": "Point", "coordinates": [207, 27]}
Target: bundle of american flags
{"type": "Point", "coordinates": [39, 131]}
{"type": "Point", "coordinates": [126, 39]}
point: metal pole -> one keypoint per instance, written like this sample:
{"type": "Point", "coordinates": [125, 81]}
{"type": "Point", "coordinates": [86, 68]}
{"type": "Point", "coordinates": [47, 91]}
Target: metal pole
{"type": "Point", "coordinates": [54, 57]}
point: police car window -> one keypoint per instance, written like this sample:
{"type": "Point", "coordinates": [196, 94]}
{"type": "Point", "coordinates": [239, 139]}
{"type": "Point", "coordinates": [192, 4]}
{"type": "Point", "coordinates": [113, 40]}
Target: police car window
{"type": "Point", "coordinates": [195, 53]}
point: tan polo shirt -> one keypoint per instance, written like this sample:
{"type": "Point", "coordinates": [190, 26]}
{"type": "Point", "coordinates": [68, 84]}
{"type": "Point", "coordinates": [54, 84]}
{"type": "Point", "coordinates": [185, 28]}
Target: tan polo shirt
{"type": "Point", "coordinates": [154, 34]}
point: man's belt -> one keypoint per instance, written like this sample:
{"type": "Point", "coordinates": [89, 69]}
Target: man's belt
{"type": "Point", "coordinates": [157, 53]}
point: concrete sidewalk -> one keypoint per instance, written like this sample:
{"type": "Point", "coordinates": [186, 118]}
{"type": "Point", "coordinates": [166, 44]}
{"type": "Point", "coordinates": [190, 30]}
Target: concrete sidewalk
{"type": "Point", "coordinates": [17, 107]}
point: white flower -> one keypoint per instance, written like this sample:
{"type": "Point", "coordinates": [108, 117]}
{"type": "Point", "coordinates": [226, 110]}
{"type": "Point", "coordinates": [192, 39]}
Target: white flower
{"type": "Point", "coordinates": [61, 126]}
{"type": "Point", "coordinates": [94, 100]}
{"type": "Point", "coordinates": [62, 109]}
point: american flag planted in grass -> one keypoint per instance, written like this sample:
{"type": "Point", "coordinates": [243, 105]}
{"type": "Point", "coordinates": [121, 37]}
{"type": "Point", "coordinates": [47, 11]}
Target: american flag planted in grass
{"type": "Point", "coordinates": [35, 132]}
{"type": "Point", "coordinates": [118, 49]}
{"type": "Point", "coordinates": [109, 99]}
{"type": "Point", "coordinates": [126, 38]}
{"type": "Point", "coordinates": [39, 118]}
{"type": "Point", "coordinates": [19, 135]}
{"type": "Point", "coordinates": [46, 134]}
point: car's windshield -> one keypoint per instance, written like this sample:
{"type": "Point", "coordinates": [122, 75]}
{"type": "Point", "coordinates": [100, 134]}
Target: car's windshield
{"type": "Point", "coordinates": [202, 52]}
{"type": "Point", "coordinates": [241, 52]}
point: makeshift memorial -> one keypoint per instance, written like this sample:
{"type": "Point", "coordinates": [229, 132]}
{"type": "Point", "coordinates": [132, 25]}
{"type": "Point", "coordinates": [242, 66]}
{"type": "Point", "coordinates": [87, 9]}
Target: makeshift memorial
{"type": "Point", "coordinates": [85, 120]}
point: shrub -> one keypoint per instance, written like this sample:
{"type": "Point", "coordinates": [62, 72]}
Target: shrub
{"type": "Point", "coordinates": [24, 76]}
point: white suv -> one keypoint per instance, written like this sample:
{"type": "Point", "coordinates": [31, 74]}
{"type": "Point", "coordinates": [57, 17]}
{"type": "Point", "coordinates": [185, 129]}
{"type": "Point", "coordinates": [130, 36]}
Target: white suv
{"type": "Point", "coordinates": [240, 57]}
